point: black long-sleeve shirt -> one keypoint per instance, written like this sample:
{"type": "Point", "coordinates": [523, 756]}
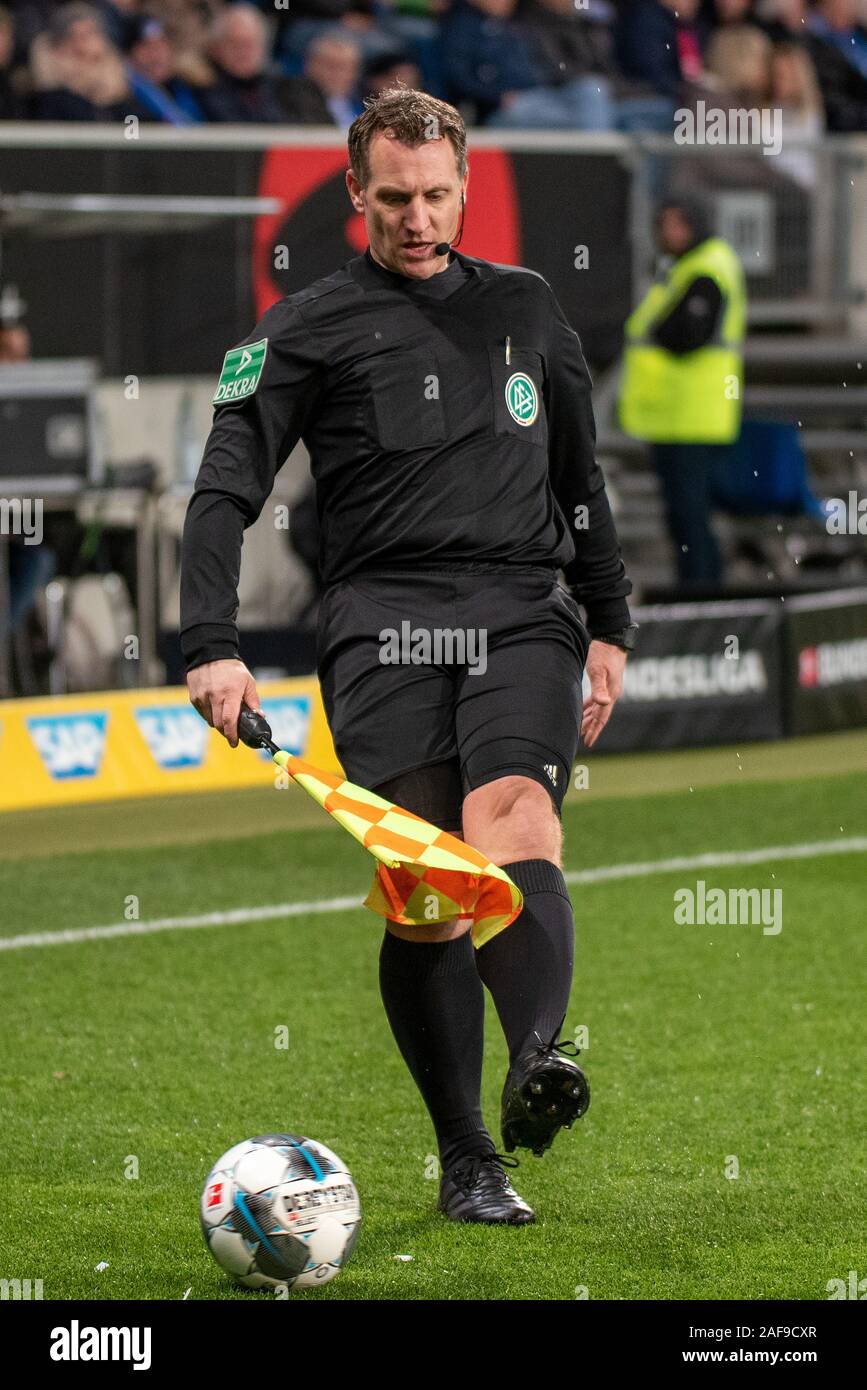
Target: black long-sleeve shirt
{"type": "Point", "coordinates": [400, 396]}
{"type": "Point", "coordinates": [693, 320]}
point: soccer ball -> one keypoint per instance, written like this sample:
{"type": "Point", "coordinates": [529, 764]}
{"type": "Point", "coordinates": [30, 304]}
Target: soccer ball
{"type": "Point", "coordinates": [280, 1210]}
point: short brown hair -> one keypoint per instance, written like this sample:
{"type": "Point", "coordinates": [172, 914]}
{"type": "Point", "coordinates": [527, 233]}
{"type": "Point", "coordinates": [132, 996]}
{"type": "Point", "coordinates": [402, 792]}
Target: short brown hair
{"type": "Point", "coordinates": [411, 115]}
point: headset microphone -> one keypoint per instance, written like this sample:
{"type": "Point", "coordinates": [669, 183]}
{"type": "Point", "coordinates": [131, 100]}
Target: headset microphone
{"type": "Point", "coordinates": [442, 248]}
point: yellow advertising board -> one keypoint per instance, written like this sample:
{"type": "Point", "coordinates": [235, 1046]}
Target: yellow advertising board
{"type": "Point", "coordinates": [60, 750]}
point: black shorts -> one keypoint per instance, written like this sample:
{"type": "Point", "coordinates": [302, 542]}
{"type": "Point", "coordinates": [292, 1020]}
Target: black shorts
{"type": "Point", "coordinates": [437, 683]}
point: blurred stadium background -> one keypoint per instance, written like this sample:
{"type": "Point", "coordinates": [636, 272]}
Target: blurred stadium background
{"type": "Point", "coordinates": [167, 170]}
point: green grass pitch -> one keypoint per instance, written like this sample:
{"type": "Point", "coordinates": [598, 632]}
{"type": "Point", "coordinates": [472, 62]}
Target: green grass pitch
{"type": "Point", "coordinates": [707, 1044]}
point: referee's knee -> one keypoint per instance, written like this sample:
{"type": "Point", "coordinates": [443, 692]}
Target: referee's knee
{"type": "Point", "coordinates": [513, 818]}
{"type": "Point", "coordinates": [432, 931]}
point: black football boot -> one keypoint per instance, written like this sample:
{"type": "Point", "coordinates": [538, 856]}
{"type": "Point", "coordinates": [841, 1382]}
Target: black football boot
{"type": "Point", "coordinates": [544, 1092]}
{"type": "Point", "coordinates": [477, 1189]}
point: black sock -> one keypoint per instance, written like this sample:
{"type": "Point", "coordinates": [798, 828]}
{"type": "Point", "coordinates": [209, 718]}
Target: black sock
{"type": "Point", "coordinates": [435, 1005]}
{"type": "Point", "coordinates": [528, 966]}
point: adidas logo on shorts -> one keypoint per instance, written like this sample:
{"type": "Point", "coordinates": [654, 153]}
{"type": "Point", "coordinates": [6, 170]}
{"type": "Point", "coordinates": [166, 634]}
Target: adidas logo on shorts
{"type": "Point", "coordinates": [551, 770]}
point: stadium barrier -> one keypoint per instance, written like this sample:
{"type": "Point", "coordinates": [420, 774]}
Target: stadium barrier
{"type": "Point", "coordinates": [736, 671]}
{"type": "Point", "coordinates": [705, 673]}
{"type": "Point", "coordinates": [60, 750]}
{"type": "Point", "coordinates": [826, 661]}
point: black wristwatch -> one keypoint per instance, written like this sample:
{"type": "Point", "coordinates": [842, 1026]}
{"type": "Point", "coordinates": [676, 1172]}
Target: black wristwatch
{"type": "Point", "coordinates": [624, 638]}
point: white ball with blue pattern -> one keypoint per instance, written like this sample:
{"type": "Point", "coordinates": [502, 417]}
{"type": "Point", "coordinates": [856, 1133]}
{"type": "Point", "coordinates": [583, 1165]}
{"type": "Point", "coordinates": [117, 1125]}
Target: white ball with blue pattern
{"type": "Point", "coordinates": [280, 1212]}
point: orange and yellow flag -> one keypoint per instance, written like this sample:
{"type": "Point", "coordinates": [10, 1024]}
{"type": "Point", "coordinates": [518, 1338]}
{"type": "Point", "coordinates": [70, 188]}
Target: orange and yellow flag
{"type": "Point", "coordinates": [424, 875]}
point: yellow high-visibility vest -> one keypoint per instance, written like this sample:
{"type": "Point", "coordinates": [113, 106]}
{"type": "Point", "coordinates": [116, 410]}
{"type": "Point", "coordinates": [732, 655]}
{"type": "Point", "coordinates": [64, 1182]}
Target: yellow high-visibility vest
{"type": "Point", "coordinates": [694, 397]}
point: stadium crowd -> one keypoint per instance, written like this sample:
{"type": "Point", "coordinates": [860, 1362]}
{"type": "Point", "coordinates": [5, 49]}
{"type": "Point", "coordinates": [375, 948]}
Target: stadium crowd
{"type": "Point", "coordinates": [550, 64]}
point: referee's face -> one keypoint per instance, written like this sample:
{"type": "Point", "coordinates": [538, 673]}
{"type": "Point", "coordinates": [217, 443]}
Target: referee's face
{"type": "Point", "coordinates": [411, 202]}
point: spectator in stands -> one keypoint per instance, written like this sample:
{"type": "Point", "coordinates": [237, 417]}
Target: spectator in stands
{"type": "Point", "coordinates": [573, 45]}
{"type": "Point", "coordinates": [755, 72]}
{"type": "Point", "coordinates": [835, 22]}
{"type": "Point", "coordinates": [795, 92]}
{"type": "Point", "coordinates": [662, 42]}
{"type": "Point", "coordinates": [785, 21]}
{"type": "Point", "coordinates": [30, 18]}
{"type": "Point", "coordinates": [389, 70]}
{"type": "Point", "coordinates": [11, 106]}
{"type": "Point", "coordinates": [153, 78]}
{"type": "Point", "coordinates": [326, 92]}
{"type": "Point", "coordinates": [303, 102]}
{"type": "Point", "coordinates": [724, 14]}
{"type": "Point", "coordinates": [414, 25]}
{"type": "Point", "coordinates": [739, 56]}
{"type": "Point", "coordinates": [362, 19]}
{"type": "Point", "coordinates": [838, 48]}
{"type": "Point", "coordinates": [577, 46]}
{"type": "Point", "coordinates": [333, 63]}
{"type": "Point", "coordinates": [78, 74]}
{"type": "Point", "coordinates": [309, 19]}
{"type": "Point", "coordinates": [486, 59]}
{"type": "Point", "coordinates": [683, 377]}
{"type": "Point", "coordinates": [516, 74]}
{"type": "Point", "coordinates": [188, 27]}
{"type": "Point", "coordinates": [244, 88]}
{"type": "Point", "coordinates": [34, 17]}
{"type": "Point", "coordinates": [306, 21]}
{"type": "Point", "coordinates": [118, 17]}
{"type": "Point", "coordinates": [296, 29]}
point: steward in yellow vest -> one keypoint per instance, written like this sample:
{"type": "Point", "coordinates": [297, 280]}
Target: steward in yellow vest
{"type": "Point", "coordinates": [688, 396]}
{"type": "Point", "coordinates": [683, 381]}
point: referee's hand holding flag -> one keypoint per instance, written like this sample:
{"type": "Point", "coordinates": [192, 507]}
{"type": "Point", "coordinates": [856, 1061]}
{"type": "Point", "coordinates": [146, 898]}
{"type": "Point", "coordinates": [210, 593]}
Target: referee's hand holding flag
{"type": "Point", "coordinates": [218, 689]}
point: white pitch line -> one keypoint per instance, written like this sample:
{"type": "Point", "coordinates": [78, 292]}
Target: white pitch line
{"type": "Point", "coordinates": [607, 874]}
{"type": "Point", "coordinates": [205, 919]}
{"type": "Point", "coordinates": [719, 858]}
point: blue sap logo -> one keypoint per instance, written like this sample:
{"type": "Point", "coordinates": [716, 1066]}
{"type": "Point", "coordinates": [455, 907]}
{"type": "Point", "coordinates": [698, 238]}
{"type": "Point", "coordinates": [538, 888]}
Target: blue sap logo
{"type": "Point", "coordinates": [290, 720]}
{"type": "Point", "coordinates": [175, 734]}
{"type": "Point", "coordinates": [70, 745]}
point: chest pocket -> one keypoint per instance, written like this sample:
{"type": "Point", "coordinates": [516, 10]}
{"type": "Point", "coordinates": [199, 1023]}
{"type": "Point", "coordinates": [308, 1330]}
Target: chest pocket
{"type": "Point", "coordinates": [517, 393]}
{"type": "Point", "coordinates": [403, 408]}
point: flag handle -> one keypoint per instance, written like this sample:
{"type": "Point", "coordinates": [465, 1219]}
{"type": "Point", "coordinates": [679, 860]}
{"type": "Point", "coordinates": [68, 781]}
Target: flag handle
{"type": "Point", "coordinates": [255, 731]}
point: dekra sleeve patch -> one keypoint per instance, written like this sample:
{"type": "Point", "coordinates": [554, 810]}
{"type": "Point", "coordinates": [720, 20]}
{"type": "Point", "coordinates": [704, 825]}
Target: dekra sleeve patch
{"type": "Point", "coordinates": [241, 372]}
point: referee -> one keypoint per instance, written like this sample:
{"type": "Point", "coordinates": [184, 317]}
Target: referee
{"type": "Point", "coordinates": [445, 404]}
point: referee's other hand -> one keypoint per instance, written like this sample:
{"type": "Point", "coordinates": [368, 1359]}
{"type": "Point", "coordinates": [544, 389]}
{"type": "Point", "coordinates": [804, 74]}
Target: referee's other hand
{"type": "Point", "coordinates": [605, 666]}
{"type": "Point", "coordinates": [217, 690]}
